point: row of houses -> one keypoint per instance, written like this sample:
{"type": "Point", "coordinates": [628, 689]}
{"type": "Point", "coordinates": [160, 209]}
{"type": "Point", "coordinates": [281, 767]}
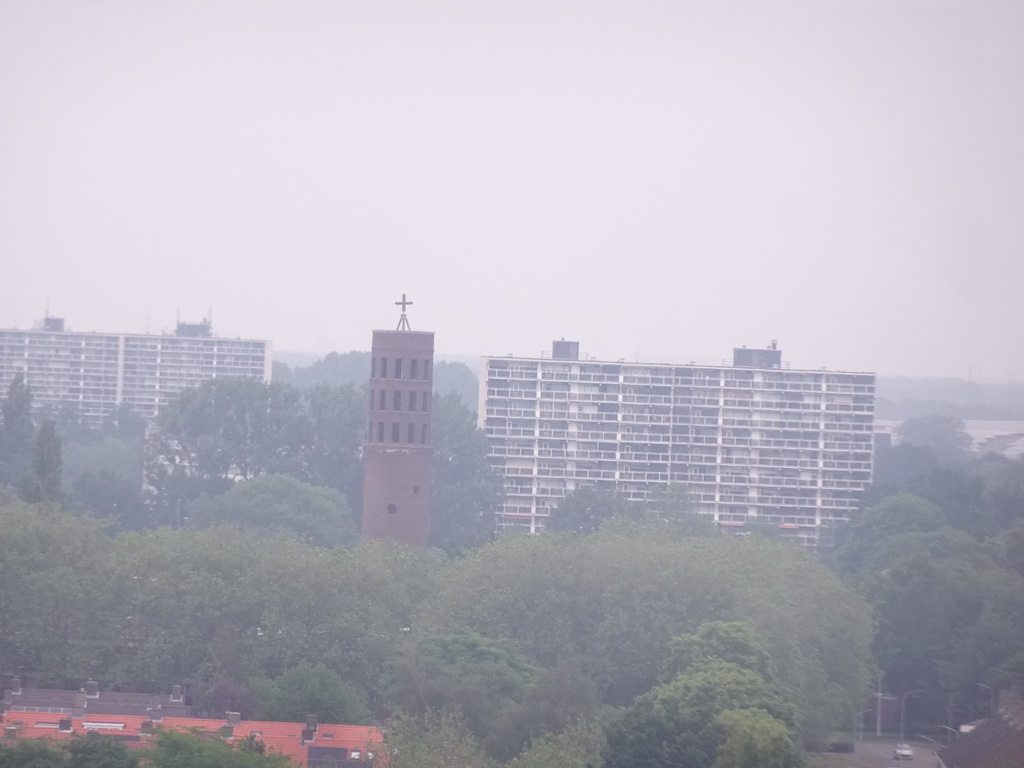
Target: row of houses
{"type": "Point", "coordinates": [135, 719]}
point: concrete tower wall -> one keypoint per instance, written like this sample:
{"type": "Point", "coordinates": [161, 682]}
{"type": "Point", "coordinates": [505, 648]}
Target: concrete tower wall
{"type": "Point", "coordinates": [397, 453]}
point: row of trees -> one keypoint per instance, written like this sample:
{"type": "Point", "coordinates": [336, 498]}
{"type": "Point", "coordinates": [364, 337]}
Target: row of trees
{"type": "Point", "coordinates": [298, 449]}
{"type": "Point", "coordinates": [518, 638]}
{"type": "Point", "coordinates": [939, 554]}
{"type": "Point", "coordinates": [30, 458]}
{"type": "Point", "coordinates": [169, 750]}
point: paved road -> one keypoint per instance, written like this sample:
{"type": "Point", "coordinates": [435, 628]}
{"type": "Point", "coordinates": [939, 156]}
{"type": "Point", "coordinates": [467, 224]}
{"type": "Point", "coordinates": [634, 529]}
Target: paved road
{"type": "Point", "coordinates": [878, 754]}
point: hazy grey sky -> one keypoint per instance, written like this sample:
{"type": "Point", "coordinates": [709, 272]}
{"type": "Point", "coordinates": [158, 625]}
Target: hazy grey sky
{"type": "Point", "coordinates": [659, 180]}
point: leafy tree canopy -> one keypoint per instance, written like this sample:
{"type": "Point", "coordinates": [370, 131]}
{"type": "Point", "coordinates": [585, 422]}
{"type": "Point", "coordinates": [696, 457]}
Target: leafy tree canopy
{"type": "Point", "coordinates": [676, 724]}
{"type": "Point", "coordinates": [434, 739]}
{"type": "Point", "coordinates": [280, 504]}
{"type": "Point", "coordinates": [579, 745]}
{"type": "Point", "coordinates": [467, 492]}
{"type": "Point", "coordinates": [311, 689]}
{"type": "Point", "coordinates": [611, 603]}
{"type": "Point", "coordinates": [586, 509]}
{"type": "Point", "coordinates": [756, 740]}
{"type": "Point", "coordinates": [945, 436]}
{"type": "Point", "coordinates": [16, 431]}
{"type": "Point", "coordinates": [458, 380]}
{"type": "Point", "coordinates": [95, 750]}
{"type": "Point", "coordinates": [43, 485]}
{"type": "Point", "coordinates": [186, 750]}
{"type": "Point", "coordinates": [481, 678]}
{"type": "Point", "coordinates": [32, 753]}
{"type": "Point", "coordinates": [732, 641]}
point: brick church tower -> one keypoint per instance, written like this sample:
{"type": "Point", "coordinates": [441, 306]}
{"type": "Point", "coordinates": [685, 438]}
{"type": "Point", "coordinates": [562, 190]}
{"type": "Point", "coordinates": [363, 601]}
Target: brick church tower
{"type": "Point", "coordinates": [397, 455]}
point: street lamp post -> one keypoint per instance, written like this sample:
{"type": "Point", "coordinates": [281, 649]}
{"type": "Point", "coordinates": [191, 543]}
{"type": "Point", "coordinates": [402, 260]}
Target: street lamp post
{"type": "Point", "coordinates": [991, 697]}
{"type": "Point", "coordinates": [903, 711]}
{"type": "Point", "coordinates": [860, 722]}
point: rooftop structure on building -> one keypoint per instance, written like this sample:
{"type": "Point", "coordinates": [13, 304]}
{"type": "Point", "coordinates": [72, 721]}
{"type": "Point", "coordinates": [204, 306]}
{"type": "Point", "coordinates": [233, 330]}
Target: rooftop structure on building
{"type": "Point", "coordinates": [755, 442]}
{"type": "Point", "coordinates": [90, 700]}
{"type": "Point", "coordinates": [91, 374]}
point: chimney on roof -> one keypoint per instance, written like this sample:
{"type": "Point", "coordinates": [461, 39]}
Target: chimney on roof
{"type": "Point", "coordinates": [233, 718]}
{"type": "Point", "coordinates": [312, 722]}
{"type": "Point", "coordinates": [92, 689]}
{"type": "Point", "coordinates": [16, 685]}
{"type": "Point", "coordinates": [176, 695]}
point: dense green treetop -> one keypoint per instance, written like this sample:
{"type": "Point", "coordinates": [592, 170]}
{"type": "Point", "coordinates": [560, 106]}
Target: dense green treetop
{"type": "Point", "coordinates": [482, 679]}
{"type": "Point", "coordinates": [585, 510]}
{"type": "Point", "coordinates": [280, 504]}
{"type": "Point", "coordinates": [171, 750]}
{"type": "Point", "coordinates": [332, 370]}
{"type": "Point", "coordinates": [16, 431]}
{"type": "Point", "coordinates": [308, 689]}
{"type": "Point", "coordinates": [33, 753]}
{"type": "Point", "coordinates": [54, 572]}
{"type": "Point", "coordinates": [612, 603]}
{"type": "Point", "coordinates": [677, 723]}
{"type": "Point", "coordinates": [96, 750]}
{"type": "Point", "coordinates": [43, 485]}
{"type": "Point", "coordinates": [733, 641]}
{"type": "Point", "coordinates": [756, 740]}
{"type": "Point", "coordinates": [457, 379]}
{"type": "Point", "coordinates": [435, 739]}
{"type": "Point", "coordinates": [185, 750]}
{"type": "Point", "coordinates": [467, 492]}
{"type": "Point", "coordinates": [944, 436]}
{"type": "Point", "coordinates": [580, 745]}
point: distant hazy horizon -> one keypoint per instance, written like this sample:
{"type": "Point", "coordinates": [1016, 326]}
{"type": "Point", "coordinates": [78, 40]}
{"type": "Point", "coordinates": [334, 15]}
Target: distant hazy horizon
{"type": "Point", "coordinates": [659, 181]}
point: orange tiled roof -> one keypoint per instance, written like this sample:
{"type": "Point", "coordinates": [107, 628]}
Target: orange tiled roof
{"type": "Point", "coordinates": [281, 738]}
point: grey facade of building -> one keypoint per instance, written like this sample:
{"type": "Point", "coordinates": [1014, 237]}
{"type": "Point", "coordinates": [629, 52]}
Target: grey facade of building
{"type": "Point", "coordinates": [91, 374]}
{"type": "Point", "coordinates": [754, 442]}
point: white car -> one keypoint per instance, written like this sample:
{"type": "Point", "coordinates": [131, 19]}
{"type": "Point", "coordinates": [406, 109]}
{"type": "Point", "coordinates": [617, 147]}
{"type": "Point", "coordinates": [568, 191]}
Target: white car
{"type": "Point", "coordinates": [902, 752]}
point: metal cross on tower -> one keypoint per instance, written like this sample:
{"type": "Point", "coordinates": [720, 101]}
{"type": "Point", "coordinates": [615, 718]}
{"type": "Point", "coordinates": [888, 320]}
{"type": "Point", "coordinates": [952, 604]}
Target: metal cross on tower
{"type": "Point", "coordinates": [403, 321]}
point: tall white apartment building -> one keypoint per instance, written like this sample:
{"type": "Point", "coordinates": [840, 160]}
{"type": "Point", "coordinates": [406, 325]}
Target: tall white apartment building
{"type": "Point", "coordinates": [91, 374]}
{"type": "Point", "coordinates": [754, 441]}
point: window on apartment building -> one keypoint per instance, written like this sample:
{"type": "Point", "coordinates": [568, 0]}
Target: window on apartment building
{"type": "Point", "coordinates": [426, 403]}
{"type": "Point", "coordinates": [413, 365]}
{"type": "Point", "coordinates": [412, 401]}
{"type": "Point", "coordinates": [380, 431]}
{"type": "Point", "coordinates": [395, 432]}
{"type": "Point", "coordinates": [411, 437]}
{"type": "Point", "coordinates": [382, 402]}
{"type": "Point", "coordinates": [396, 400]}
{"type": "Point", "coordinates": [398, 367]}
{"type": "Point", "coordinates": [383, 367]}
{"type": "Point", "coordinates": [423, 434]}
